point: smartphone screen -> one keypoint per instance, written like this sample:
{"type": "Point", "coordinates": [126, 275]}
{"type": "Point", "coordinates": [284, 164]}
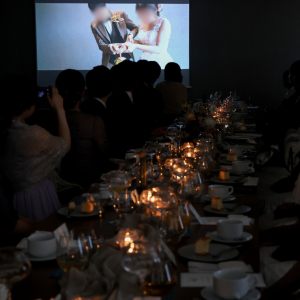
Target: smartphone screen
{"type": "Point", "coordinates": [42, 92]}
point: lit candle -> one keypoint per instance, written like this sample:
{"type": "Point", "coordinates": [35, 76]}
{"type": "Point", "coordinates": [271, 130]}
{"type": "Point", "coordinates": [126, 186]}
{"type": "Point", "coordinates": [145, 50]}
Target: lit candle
{"type": "Point", "coordinates": [127, 236]}
{"type": "Point", "coordinates": [187, 145]}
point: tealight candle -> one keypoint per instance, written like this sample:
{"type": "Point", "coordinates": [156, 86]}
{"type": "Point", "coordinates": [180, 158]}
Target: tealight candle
{"type": "Point", "coordinates": [127, 236]}
{"type": "Point", "coordinates": [187, 145]}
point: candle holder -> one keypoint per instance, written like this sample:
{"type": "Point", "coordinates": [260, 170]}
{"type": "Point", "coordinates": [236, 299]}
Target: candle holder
{"type": "Point", "coordinates": [127, 236]}
{"type": "Point", "coordinates": [188, 145]}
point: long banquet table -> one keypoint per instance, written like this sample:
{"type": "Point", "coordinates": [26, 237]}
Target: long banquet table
{"type": "Point", "coordinates": [38, 285]}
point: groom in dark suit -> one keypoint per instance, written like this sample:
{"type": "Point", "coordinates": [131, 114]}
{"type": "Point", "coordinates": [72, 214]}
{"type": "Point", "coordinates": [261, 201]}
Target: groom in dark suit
{"type": "Point", "coordinates": [110, 29]}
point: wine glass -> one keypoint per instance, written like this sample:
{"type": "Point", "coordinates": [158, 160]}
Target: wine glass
{"type": "Point", "coordinates": [161, 155]}
{"type": "Point", "coordinates": [162, 279]}
{"type": "Point", "coordinates": [119, 184]}
{"type": "Point", "coordinates": [176, 225]}
{"type": "Point", "coordinates": [172, 133]}
{"type": "Point", "coordinates": [139, 260]}
{"type": "Point", "coordinates": [72, 253]}
{"type": "Point", "coordinates": [88, 236]}
{"type": "Point", "coordinates": [123, 206]}
{"type": "Point", "coordinates": [14, 267]}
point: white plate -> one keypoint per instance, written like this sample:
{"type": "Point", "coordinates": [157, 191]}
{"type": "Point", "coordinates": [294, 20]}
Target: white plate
{"type": "Point", "coordinates": [208, 199]}
{"type": "Point", "coordinates": [47, 258]}
{"type": "Point", "coordinates": [246, 237]}
{"type": "Point", "coordinates": [188, 252]}
{"type": "Point", "coordinates": [209, 294]}
{"type": "Point", "coordinates": [239, 210]}
{"type": "Point", "coordinates": [231, 180]}
{"type": "Point", "coordinates": [77, 212]}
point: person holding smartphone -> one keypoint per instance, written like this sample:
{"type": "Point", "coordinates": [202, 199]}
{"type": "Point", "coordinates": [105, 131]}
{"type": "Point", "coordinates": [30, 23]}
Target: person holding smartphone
{"type": "Point", "coordinates": [30, 154]}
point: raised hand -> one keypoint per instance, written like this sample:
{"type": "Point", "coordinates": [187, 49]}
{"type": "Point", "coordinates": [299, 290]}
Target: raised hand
{"type": "Point", "coordinates": [56, 101]}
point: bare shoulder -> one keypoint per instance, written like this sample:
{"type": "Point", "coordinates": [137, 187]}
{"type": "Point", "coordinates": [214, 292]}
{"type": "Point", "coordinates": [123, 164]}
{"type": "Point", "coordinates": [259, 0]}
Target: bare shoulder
{"type": "Point", "coordinates": [165, 22]}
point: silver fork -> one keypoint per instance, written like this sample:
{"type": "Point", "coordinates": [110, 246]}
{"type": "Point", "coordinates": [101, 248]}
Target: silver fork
{"type": "Point", "coordinates": [218, 255]}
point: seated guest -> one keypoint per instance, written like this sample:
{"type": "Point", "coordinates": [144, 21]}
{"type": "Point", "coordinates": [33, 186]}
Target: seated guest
{"type": "Point", "coordinates": [147, 101]}
{"type": "Point", "coordinates": [30, 154]}
{"type": "Point", "coordinates": [87, 159]}
{"type": "Point", "coordinates": [286, 80]}
{"type": "Point", "coordinates": [173, 91]}
{"type": "Point", "coordinates": [99, 83]}
{"type": "Point", "coordinates": [10, 222]}
{"type": "Point", "coordinates": [122, 128]}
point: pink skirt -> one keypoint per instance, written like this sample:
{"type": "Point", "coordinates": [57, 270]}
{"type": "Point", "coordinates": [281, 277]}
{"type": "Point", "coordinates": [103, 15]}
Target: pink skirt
{"type": "Point", "coordinates": [37, 203]}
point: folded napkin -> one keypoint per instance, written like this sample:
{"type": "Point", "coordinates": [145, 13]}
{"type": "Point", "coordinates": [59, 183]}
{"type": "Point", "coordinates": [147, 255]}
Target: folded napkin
{"type": "Point", "coordinates": [206, 280]}
{"type": "Point", "coordinates": [23, 244]}
{"type": "Point", "coordinates": [252, 181]}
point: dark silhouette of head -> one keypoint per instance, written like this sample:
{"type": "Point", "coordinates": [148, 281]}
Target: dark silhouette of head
{"type": "Point", "coordinates": [143, 71]}
{"type": "Point", "coordinates": [126, 75]}
{"type": "Point", "coordinates": [99, 82]}
{"type": "Point", "coordinates": [155, 71]}
{"type": "Point", "coordinates": [173, 72]}
{"type": "Point", "coordinates": [286, 79]}
{"type": "Point", "coordinates": [295, 74]}
{"type": "Point", "coordinates": [70, 84]}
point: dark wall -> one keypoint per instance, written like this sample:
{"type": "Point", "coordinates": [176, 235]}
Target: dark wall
{"type": "Point", "coordinates": [242, 45]}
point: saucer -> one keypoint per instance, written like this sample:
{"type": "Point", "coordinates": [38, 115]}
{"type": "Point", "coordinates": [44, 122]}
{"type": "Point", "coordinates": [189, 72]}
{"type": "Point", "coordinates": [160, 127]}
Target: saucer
{"type": "Point", "coordinates": [209, 294]}
{"type": "Point", "coordinates": [208, 199]}
{"type": "Point", "coordinates": [250, 171]}
{"type": "Point", "coordinates": [245, 238]}
{"type": "Point", "coordinates": [188, 252]}
{"type": "Point", "coordinates": [232, 180]}
{"type": "Point", "coordinates": [46, 258]}
{"type": "Point", "coordinates": [238, 210]}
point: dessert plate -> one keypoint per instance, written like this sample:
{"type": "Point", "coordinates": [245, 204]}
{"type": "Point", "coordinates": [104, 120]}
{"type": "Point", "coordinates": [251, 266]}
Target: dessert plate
{"type": "Point", "coordinates": [188, 252]}
{"type": "Point", "coordinates": [244, 238]}
{"type": "Point", "coordinates": [208, 199]}
{"type": "Point", "coordinates": [233, 209]}
{"type": "Point", "coordinates": [232, 180]}
{"type": "Point", "coordinates": [209, 294]}
{"type": "Point", "coordinates": [77, 212]}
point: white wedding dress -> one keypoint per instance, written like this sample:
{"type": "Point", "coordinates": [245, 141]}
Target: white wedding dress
{"type": "Point", "coordinates": [150, 38]}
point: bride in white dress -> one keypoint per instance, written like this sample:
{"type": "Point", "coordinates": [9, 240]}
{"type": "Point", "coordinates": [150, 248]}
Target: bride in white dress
{"type": "Point", "coordinates": [154, 35]}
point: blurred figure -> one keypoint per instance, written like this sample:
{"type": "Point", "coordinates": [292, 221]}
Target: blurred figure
{"type": "Point", "coordinates": [122, 128]}
{"type": "Point", "coordinates": [87, 159]}
{"type": "Point", "coordinates": [110, 34]}
{"type": "Point", "coordinates": [99, 83]}
{"type": "Point", "coordinates": [173, 91]}
{"type": "Point", "coordinates": [30, 154]}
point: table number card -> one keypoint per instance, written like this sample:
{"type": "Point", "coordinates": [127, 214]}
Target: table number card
{"type": "Point", "coordinates": [169, 253]}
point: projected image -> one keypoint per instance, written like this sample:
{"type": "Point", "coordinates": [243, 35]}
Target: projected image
{"type": "Point", "coordinates": [83, 35]}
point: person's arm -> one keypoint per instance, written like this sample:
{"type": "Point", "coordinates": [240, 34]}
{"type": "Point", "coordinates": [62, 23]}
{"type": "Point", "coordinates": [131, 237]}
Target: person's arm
{"type": "Point", "coordinates": [285, 286]}
{"type": "Point", "coordinates": [163, 38]}
{"type": "Point", "coordinates": [57, 102]}
{"type": "Point", "coordinates": [131, 26]}
{"type": "Point", "coordinates": [103, 46]}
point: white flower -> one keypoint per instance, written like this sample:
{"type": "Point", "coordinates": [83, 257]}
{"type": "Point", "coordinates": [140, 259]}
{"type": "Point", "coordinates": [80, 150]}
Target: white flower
{"type": "Point", "coordinates": [212, 109]}
{"type": "Point", "coordinates": [209, 122]}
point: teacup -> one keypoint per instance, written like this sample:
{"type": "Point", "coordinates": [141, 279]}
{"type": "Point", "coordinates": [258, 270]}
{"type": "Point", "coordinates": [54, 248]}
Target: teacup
{"type": "Point", "coordinates": [233, 284]}
{"type": "Point", "coordinates": [42, 244]}
{"type": "Point", "coordinates": [220, 191]}
{"type": "Point", "coordinates": [230, 229]}
{"type": "Point", "coordinates": [237, 150]}
{"type": "Point", "coordinates": [242, 166]}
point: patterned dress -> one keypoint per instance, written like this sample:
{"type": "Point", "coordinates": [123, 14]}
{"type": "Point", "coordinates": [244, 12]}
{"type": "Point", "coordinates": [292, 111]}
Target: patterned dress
{"type": "Point", "coordinates": [150, 38]}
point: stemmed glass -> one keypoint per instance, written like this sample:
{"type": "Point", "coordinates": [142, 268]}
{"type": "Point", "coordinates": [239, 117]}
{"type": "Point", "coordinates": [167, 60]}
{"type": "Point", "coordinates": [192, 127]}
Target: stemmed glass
{"type": "Point", "coordinates": [172, 133]}
{"type": "Point", "coordinates": [14, 267]}
{"type": "Point", "coordinates": [177, 224]}
{"type": "Point", "coordinates": [139, 260]}
{"type": "Point", "coordinates": [161, 156]}
{"type": "Point", "coordinates": [72, 253]}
